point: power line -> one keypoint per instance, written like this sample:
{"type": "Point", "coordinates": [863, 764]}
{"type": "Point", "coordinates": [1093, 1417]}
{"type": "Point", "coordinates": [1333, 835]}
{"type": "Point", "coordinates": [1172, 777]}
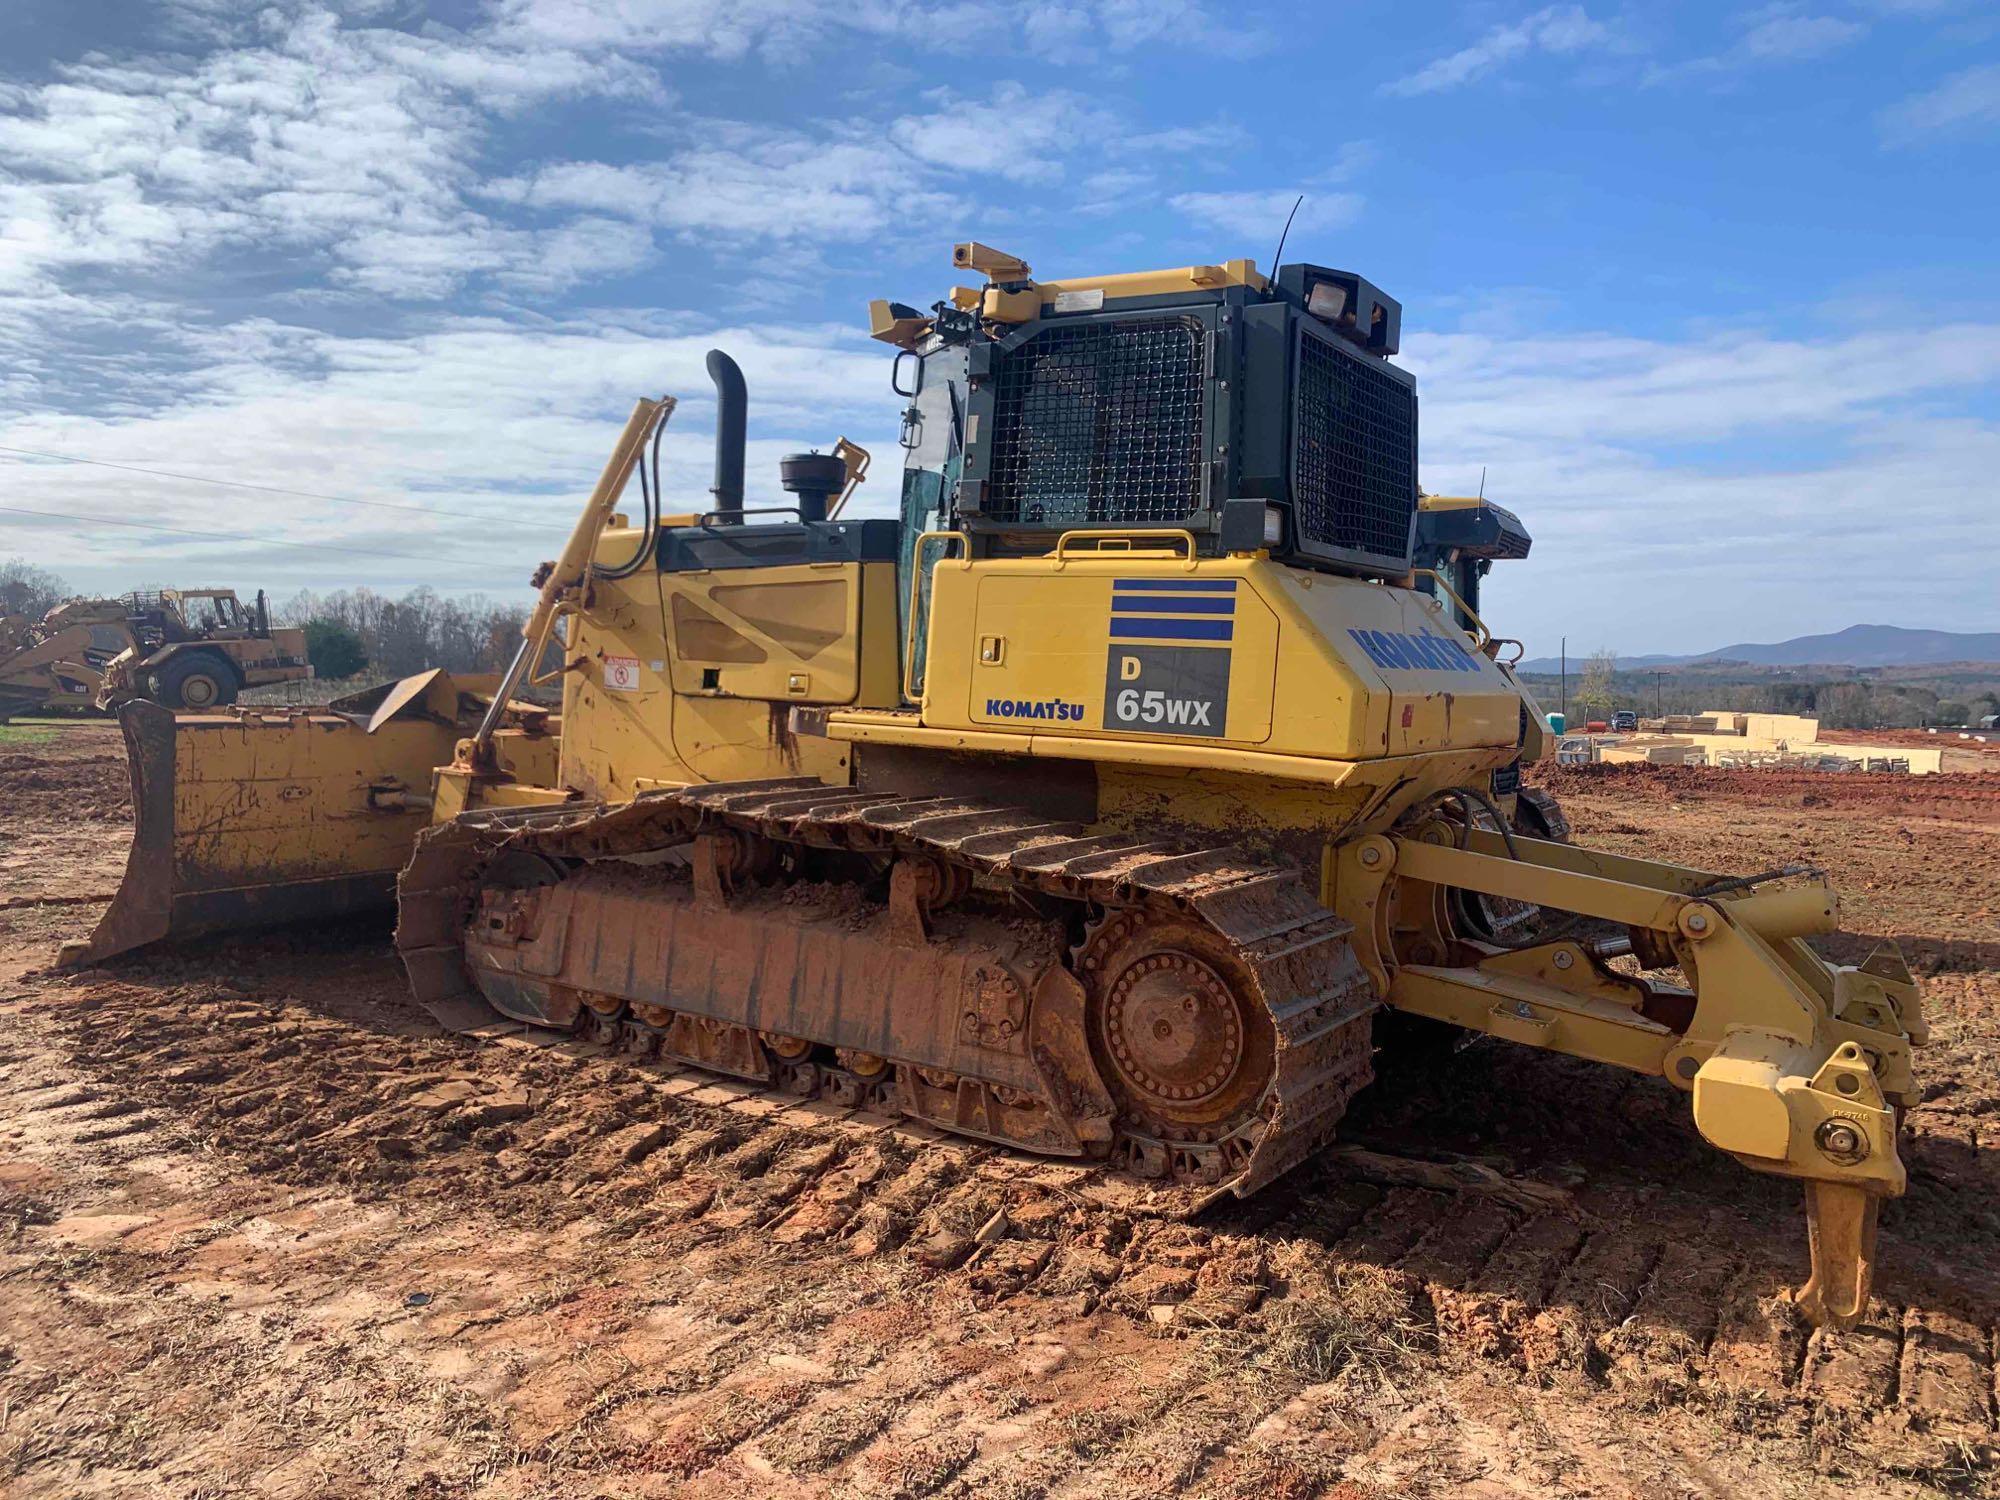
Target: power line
{"type": "Point", "coordinates": [272, 489]}
{"type": "Point", "coordinates": [230, 536]}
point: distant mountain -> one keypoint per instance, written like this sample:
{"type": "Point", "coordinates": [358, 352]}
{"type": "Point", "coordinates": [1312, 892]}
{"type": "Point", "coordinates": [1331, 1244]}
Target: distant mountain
{"type": "Point", "coordinates": [1856, 646]}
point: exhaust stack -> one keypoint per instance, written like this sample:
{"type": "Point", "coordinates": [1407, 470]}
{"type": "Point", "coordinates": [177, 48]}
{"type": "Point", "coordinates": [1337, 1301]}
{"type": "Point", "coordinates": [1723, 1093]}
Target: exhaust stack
{"type": "Point", "coordinates": [732, 405]}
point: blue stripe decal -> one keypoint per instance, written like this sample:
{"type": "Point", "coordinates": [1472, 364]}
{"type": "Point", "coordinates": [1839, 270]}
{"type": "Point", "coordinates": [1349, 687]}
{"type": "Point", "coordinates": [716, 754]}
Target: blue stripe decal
{"type": "Point", "coordinates": [1172, 630]}
{"type": "Point", "coordinates": [1191, 605]}
{"type": "Point", "coordinates": [1179, 585]}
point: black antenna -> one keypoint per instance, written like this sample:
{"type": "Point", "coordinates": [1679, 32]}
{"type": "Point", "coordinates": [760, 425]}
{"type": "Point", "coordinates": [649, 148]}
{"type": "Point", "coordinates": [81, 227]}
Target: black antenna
{"type": "Point", "coordinates": [1482, 481]}
{"type": "Point", "coordinates": [1285, 235]}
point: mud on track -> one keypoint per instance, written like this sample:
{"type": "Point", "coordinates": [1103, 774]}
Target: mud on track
{"type": "Point", "coordinates": [265, 1230]}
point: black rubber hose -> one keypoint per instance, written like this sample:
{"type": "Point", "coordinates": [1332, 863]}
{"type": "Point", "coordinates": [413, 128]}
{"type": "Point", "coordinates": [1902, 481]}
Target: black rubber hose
{"type": "Point", "coordinates": [650, 498]}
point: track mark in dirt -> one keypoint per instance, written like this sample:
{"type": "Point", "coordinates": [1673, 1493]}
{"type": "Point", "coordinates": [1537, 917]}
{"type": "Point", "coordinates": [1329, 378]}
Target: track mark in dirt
{"type": "Point", "coordinates": [1491, 1318]}
{"type": "Point", "coordinates": [1676, 1314]}
{"type": "Point", "coordinates": [1945, 1378]}
{"type": "Point", "coordinates": [1859, 1369]}
{"type": "Point", "coordinates": [64, 1096]}
{"type": "Point", "coordinates": [118, 1132]}
{"type": "Point", "coordinates": [1395, 1224]}
{"type": "Point", "coordinates": [1760, 1339]}
{"type": "Point", "coordinates": [1459, 1244]}
{"type": "Point", "coordinates": [845, 1417]}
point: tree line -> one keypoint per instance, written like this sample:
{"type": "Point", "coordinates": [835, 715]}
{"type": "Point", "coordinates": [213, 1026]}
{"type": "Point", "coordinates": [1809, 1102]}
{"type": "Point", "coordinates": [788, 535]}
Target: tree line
{"type": "Point", "coordinates": [358, 630]}
{"type": "Point", "coordinates": [1915, 699]}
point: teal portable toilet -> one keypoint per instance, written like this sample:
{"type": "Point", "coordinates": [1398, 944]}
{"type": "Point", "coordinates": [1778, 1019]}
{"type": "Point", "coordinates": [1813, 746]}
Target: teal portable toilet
{"type": "Point", "coordinates": [1557, 723]}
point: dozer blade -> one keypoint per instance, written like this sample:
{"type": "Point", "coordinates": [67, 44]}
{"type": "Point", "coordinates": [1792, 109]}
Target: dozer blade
{"type": "Point", "coordinates": [249, 820]}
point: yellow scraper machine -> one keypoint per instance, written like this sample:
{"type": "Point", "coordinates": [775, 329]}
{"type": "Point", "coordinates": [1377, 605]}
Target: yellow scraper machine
{"type": "Point", "coordinates": [1095, 806]}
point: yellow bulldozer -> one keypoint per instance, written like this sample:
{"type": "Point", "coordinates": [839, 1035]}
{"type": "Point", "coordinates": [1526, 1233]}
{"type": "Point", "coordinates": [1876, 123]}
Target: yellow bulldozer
{"type": "Point", "coordinates": [1099, 805]}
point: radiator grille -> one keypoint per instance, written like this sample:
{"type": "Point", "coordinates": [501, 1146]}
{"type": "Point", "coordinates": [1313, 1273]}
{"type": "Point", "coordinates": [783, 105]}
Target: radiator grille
{"type": "Point", "coordinates": [1354, 477]}
{"type": "Point", "coordinates": [1100, 423]}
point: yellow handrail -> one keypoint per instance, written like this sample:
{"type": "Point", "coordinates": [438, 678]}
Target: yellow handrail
{"type": "Point", "coordinates": [857, 459]}
{"type": "Point", "coordinates": [1127, 535]}
{"type": "Point", "coordinates": [1485, 636]}
{"type": "Point", "coordinates": [916, 594]}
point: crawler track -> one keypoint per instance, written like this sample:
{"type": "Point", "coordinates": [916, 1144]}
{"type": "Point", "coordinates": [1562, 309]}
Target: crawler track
{"type": "Point", "coordinates": [1006, 979]}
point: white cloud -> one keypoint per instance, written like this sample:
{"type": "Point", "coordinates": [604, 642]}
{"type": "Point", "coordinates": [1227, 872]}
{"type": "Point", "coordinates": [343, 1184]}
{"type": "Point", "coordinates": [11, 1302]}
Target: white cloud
{"type": "Point", "coordinates": [355, 145]}
{"type": "Point", "coordinates": [1014, 134]}
{"type": "Point", "coordinates": [488, 419]}
{"type": "Point", "coordinates": [1778, 33]}
{"type": "Point", "coordinates": [1214, 136]}
{"type": "Point", "coordinates": [1672, 466]}
{"type": "Point", "coordinates": [858, 181]}
{"type": "Point", "coordinates": [769, 184]}
{"type": "Point", "coordinates": [794, 31]}
{"type": "Point", "coordinates": [1556, 29]}
{"type": "Point", "coordinates": [1259, 214]}
{"type": "Point", "coordinates": [350, 158]}
{"type": "Point", "coordinates": [1796, 38]}
{"type": "Point", "coordinates": [1114, 190]}
{"type": "Point", "coordinates": [1966, 100]}
{"type": "Point", "coordinates": [1915, 7]}
{"type": "Point", "coordinates": [1597, 388]}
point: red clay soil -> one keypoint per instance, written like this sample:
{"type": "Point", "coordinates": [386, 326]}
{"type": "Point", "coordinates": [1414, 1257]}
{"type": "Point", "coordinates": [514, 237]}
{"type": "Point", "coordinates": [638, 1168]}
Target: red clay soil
{"type": "Point", "coordinates": [1975, 797]}
{"type": "Point", "coordinates": [85, 774]}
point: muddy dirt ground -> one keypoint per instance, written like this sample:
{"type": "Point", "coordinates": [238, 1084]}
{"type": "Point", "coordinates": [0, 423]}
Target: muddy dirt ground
{"type": "Point", "coordinates": [264, 1231]}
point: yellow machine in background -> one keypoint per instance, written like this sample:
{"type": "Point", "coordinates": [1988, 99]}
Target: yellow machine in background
{"type": "Point", "coordinates": [199, 648]}
{"type": "Point", "coordinates": [1095, 806]}
{"type": "Point", "coordinates": [58, 661]}
{"type": "Point", "coordinates": [185, 648]}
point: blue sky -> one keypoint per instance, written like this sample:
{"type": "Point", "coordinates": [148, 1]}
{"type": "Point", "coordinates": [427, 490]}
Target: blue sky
{"type": "Point", "coordinates": [1709, 292]}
